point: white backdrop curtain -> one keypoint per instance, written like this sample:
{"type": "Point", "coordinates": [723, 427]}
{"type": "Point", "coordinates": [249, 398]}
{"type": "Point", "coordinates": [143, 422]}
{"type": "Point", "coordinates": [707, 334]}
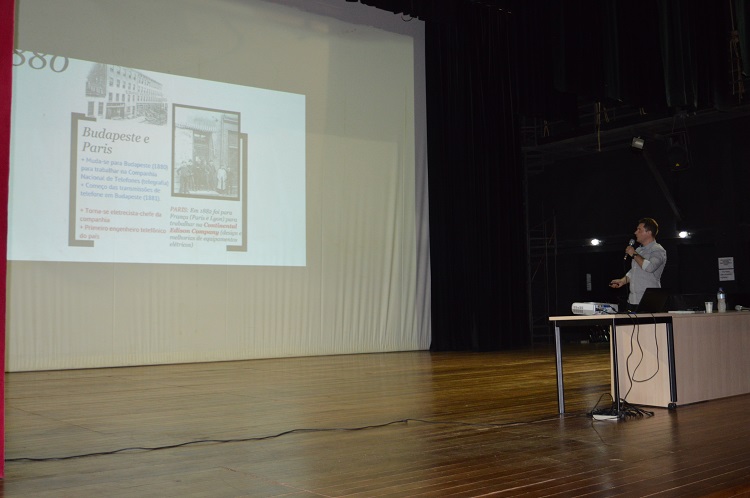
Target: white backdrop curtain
{"type": "Point", "coordinates": [365, 286]}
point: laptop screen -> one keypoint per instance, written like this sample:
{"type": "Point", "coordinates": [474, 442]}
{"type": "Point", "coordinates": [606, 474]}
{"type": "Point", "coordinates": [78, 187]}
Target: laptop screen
{"type": "Point", "coordinates": [654, 300]}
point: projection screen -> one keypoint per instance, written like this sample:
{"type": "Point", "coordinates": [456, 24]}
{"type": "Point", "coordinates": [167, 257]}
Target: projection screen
{"type": "Point", "coordinates": [205, 180]}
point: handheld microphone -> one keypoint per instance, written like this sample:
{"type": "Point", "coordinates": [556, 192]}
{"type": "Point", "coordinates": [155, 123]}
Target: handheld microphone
{"type": "Point", "coordinates": [631, 244]}
{"type": "Point", "coordinates": [741, 308]}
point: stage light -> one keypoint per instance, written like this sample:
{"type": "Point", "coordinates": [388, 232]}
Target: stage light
{"type": "Point", "coordinates": [637, 143]}
{"type": "Point", "coordinates": [595, 242]}
{"type": "Point", "coordinates": [684, 234]}
{"type": "Point", "coordinates": [678, 153]}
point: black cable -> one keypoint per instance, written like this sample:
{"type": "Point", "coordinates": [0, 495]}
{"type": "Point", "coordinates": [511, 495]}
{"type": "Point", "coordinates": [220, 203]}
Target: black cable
{"type": "Point", "coordinates": [498, 426]}
{"type": "Point", "coordinates": [637, 333]}
{"type": "Point", "coordinates": [625, 409]}
{"type": "Point", "coordinates": [201, 441]}
{"type": "Point", "coordinates": [285, 433]}
{"type": "Point", "coordinates": [601, 411]}
{"type": "Point", "coordinates": [627, 359]}
{"type": "Point", "coordinates": [658, 363]}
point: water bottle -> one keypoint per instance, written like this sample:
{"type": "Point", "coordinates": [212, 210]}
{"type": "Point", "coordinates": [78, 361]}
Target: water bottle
{"type": "Point", "coordinates": [721, 300]}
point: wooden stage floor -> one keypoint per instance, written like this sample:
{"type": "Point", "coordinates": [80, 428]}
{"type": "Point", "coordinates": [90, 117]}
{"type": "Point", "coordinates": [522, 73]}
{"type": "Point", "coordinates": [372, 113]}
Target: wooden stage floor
{"type": "Point", "coordinates": [395, 424]}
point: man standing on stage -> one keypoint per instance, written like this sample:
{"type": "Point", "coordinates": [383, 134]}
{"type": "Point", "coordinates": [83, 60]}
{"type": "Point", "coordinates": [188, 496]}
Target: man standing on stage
{"type": "Point", "coordinates": [647, 263]}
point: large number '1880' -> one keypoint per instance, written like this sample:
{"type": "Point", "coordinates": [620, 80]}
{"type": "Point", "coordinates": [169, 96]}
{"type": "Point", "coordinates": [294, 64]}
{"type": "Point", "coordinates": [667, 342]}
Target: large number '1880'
{"type": "Point", "coordinates": [38, 61]}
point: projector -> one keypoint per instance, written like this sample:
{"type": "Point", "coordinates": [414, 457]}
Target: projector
{"type": "Point", "coordinates": [594, 308]}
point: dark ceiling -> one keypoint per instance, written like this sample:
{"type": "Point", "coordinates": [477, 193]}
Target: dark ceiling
{"type": "Point", "coordinates": [436, 10]}
{"type": "Point", "coordinates": [591, 73]}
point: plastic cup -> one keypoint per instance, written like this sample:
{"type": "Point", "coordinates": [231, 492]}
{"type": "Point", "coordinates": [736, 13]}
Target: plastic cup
{"type": "Point", "coordinates": [709, 306]}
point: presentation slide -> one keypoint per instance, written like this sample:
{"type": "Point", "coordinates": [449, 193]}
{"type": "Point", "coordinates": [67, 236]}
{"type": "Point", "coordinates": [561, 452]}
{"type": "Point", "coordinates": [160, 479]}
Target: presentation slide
{"type": "Point", "coordinates": [118, 164]}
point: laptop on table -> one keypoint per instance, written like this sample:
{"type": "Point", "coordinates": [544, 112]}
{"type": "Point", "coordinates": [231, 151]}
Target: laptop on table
{"type": "Point", "coordinates": [654, 300]}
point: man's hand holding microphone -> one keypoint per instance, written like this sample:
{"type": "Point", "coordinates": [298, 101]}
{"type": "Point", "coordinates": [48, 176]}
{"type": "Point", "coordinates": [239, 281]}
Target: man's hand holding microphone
{"type": "Point", "coordinates": [629, 252]}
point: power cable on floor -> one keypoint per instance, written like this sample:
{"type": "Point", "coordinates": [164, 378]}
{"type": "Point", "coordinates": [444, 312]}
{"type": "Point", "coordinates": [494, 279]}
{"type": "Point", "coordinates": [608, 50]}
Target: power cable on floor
{"type": "Point", "coordinates": [284, 433]}
{"type": "Point", "coordinates": [613, 412]}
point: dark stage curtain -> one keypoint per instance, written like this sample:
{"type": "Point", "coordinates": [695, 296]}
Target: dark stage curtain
{"type": "Point", "coordinates": [476, 181]}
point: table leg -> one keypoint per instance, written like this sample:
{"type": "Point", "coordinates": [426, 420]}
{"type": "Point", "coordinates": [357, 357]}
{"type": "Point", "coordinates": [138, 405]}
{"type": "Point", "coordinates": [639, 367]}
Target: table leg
{"type": "Point", "coordinates": [672, 369]}
{"type": "Point", "coordinates": [615, 367]}
{"type": "Point", "coordinates": [558, 364]}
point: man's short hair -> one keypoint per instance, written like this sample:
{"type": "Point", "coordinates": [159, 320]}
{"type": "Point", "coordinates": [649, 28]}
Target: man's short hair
{"type": "Point", "coordinates": [650, 224]}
